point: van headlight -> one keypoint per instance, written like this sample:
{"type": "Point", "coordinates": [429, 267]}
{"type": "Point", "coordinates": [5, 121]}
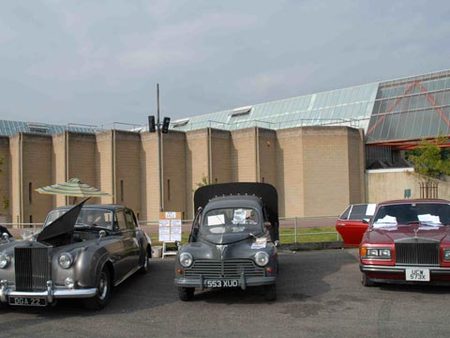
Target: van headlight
{"type": "Point", "coordinates": [186, 259]}
{"type": "Point", "coordinates": [4, 260]}
{"type": "Point", "coordinates": [65, 260]}
{"type": "Point", "coordinates": [262, 258]}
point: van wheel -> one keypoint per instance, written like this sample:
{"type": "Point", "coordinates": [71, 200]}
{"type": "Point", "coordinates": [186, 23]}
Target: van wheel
{"type": "Point", "coordinates": [104, 289]}
{"type": "Point", "coordinates": [366, 281]}
{"type": "Point", "coordinates": [270, 292]}
{"type": "Point", "coordinates": [186, 294]}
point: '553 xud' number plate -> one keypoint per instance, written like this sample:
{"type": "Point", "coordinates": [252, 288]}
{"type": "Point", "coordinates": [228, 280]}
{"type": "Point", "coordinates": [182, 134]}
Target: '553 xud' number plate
{"type": "Point", "coordinates": [213, 283]}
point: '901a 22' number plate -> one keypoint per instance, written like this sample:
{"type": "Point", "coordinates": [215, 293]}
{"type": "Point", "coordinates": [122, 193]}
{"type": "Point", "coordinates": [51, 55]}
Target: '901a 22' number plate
{"type": "Point", "coordinates": [213, 283]}
{"type": "Point", "coordinates": [27, 301]}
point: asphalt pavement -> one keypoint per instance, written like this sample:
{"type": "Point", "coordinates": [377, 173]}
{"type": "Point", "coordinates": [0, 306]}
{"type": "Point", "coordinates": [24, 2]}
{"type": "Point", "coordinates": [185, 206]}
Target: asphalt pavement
{"type": "Point", "coordinates": [319, 295]}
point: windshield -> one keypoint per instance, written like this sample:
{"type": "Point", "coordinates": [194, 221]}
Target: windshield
{"type": "Point", "coordinates": [434, 214]}
{"type": "Point", "coordinates": [88, 217]}
{"type": "Point", "coordinates": [231, 220]}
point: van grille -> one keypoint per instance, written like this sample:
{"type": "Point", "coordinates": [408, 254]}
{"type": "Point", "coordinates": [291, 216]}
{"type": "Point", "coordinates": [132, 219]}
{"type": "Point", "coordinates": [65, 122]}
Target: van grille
{"type": "Point", "coordinates": [230, 268]}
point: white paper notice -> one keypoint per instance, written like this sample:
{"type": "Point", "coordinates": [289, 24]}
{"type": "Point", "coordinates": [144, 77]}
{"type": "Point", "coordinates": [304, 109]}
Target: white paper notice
{"type": "Point", "coordinates": [428, 218]}
{"type": "Point", "coordinates": [216, 220]}
{"type": "Point", "coordinates": [370, 209]}
{"type": "Point", "coordinates": [259, 243]}
{"type": "Point", "coordinates": [386, 221]}
{"type": "Point", "coordinates": [175, 229]}
{"type": "Point", "coordinates": [164, 233]}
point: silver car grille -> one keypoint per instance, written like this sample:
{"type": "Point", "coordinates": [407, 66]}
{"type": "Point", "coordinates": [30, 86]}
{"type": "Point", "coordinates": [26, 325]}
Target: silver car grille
{"type": "Point", "coordinates": [32, 269]}
{"type": "Point", "coordinates": [417, 253]}
{"type": "Point", "coordinates": [230, 268]}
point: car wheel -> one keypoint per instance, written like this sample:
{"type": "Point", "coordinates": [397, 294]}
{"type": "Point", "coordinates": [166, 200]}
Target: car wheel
{"type": "Point", "coordinates": [270, 292]}
{"type": "Point", "coordinates": [186, 294]}
{"type": "Point", "coordinates": [366, 281]}
{"type": "Point", "coordinates": [104, 289]}
{"type": "Point", "coordinates": [146, 266]}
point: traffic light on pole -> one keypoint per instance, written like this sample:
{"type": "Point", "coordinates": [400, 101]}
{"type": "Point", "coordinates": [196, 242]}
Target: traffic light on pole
{"type": "Point", "coordinates": [151, 124]}
{"type": "Point", "coordinates": [165, 125]}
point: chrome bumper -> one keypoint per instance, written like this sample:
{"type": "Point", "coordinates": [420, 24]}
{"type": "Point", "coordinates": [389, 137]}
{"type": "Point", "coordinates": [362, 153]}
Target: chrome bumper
{"type": "Point", "coordinates": [401, 269]}
{"type": "Point", "coordinates": [190, 282]}
{"type": "Point", "coordinates": [50, 294]}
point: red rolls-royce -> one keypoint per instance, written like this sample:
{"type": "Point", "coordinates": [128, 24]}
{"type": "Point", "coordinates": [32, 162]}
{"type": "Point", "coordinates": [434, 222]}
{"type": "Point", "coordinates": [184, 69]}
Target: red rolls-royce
{"type": "Point", "coordinates": [407, 241]}
{"type": "Point", "coordinates": [353, 222]}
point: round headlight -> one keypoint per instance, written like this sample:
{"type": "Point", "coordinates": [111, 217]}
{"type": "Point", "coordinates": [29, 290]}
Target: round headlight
{"type": "Point", "coordinates": [262, 258]}
{"type": "Point", "coordinates": [186, 259]}
{"type": "Point", "coordinates": [4, 261]}
{"type": "Point", "coordinates": [65, 260]}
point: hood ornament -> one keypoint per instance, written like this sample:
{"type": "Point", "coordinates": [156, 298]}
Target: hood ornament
{"type": "Point", "coordinates": [221, 249]}
{"type": "Point", "coordinates": [416, 230]}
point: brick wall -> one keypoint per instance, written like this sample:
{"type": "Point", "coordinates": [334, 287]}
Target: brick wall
{"type": "Point", "coordinates": [5, 180]}
{"type": "Point", "coordinates": [127, 169]}
{"type": "Point", "coordinates": [36, 172]}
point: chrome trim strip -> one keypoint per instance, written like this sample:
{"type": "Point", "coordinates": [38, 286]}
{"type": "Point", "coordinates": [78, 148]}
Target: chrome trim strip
{"type": "Point", "coordinates": [401, 268]}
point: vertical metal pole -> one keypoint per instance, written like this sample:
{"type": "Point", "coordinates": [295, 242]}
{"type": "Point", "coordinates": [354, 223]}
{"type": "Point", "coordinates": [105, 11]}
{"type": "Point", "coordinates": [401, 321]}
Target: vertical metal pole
{"type": "Point", "coordinates": [158, 129]}
{"type": "Point", "coordinates": [295, 230]}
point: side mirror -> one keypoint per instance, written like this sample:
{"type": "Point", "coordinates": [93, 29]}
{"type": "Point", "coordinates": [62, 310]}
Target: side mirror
{"type": "Point", "coordinates": [268, 226]}
{"type": "Point", "coordinates": [101, 234]}
{"type": "Point", "coordinates": [5, 236]}
{"type": "Point", "coordinates": [366, 220]}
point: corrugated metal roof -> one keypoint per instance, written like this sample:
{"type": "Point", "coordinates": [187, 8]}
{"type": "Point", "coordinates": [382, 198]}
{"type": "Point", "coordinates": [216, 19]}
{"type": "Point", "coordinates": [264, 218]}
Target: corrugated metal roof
{"type": "Point", "coordinates": [9, 128]}
{"type": "Point", "coordinates": [349, 106]}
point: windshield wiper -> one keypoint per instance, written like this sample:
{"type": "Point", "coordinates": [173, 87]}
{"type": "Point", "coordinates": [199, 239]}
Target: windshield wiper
{"type": "Point", "coordinates": [82, 226]}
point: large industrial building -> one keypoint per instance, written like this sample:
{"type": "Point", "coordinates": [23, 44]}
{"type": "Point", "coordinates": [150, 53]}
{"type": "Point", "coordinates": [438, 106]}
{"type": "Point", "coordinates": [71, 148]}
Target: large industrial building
{"type": "Point", "coordinates": [321, 151]}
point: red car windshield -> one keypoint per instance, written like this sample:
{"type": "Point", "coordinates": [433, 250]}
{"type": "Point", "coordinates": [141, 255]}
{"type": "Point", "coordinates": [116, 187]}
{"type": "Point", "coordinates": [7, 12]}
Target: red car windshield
{"type": "Point", "coordinates": [433, 214]}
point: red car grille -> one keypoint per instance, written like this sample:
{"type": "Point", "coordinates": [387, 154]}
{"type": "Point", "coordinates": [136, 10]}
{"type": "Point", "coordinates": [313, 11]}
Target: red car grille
{"type": "Point", "coordinates": [417, 253]}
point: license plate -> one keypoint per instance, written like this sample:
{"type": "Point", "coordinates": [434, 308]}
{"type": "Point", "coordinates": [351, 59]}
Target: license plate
{"type": "Point", "coordinates": [230, 283]}
{"type": "Point", "coordinates": [27, 301]}
{"type": "Point", "coordinates": [417, 274]}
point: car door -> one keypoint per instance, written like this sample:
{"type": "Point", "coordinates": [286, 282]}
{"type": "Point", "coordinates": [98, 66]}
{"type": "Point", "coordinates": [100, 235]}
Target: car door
{"type": "Point", "coordinates": [134, 247]}
{"type": "Point", "coordinates": [122, 263]}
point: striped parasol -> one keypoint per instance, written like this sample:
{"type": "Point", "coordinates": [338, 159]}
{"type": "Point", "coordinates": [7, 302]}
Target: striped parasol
{"type": "Point", "coordinates": [73, 187]}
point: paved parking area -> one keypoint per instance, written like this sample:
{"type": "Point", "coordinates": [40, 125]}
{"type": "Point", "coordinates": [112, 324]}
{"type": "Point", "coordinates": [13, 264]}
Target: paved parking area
{"type": "Point", "coordinates": [319, 295]}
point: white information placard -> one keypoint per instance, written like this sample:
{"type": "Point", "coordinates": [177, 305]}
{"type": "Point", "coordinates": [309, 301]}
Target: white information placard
{"type": "Point", "coordinates": [170, 226]}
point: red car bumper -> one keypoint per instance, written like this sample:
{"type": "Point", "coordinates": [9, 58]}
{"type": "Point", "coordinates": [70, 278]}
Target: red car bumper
{"type": "Point", "coordinates": [396, 274]}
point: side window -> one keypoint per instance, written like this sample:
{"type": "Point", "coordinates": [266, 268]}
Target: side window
{"type": "Point", "coordinates": [345, 213]}
{"type": "Point", "coordinates": [130, 219]}
{"type": "Point", "coordinates": [358, 211]}
{"type": "Point", "coordinates": [121, 222]}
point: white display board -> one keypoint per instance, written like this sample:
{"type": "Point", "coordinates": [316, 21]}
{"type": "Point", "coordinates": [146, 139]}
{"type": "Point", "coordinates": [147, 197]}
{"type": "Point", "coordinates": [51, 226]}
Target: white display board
{"type": "Point", "coordinates": [170, 226]}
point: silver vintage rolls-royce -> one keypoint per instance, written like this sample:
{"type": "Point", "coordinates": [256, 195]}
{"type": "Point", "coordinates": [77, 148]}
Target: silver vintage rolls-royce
{"type": "Point", "coordinates": [82, 252]}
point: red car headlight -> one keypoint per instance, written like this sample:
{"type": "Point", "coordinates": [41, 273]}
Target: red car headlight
{"type": "Point", "coordinates": [375, 253]}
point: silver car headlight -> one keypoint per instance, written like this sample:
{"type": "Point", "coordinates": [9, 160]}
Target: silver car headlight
{"type": "Point", "coordinates": [447, 254]}
{"type": "Point", "coordinates": [4, 260]}
{"type": "Point", "coordinates": [65, 260]}
{"type": "Point", "coordinates": [261, 258]}
{"type": "Point", "coordinates": [186, 259]}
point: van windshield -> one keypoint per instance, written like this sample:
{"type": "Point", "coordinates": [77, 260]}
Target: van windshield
{"type": "Point", "coordinates": [231, 220]}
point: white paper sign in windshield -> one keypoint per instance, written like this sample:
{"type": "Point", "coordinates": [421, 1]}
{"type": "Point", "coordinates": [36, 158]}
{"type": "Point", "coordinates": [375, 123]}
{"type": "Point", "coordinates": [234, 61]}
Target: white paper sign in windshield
{"type": "Point", "coordinates": [386, 221]}
{"type": "Point", "coordinates": [216, 220]}
{"type": "Point", "coordinates": [428, 218]}
{"type": "Point", "coordinates": [239, 216]}
{"type": "Point", "coordinates": [370, 209]}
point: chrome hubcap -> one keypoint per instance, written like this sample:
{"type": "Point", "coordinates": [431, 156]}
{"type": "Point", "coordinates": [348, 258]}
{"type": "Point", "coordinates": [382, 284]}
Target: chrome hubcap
{"type": "Point", "coordinates": [103, 286]}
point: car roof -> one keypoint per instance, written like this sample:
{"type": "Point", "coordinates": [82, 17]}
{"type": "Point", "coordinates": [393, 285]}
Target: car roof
{"type": "Point", "coordinates": [234, 201]}
{"type": "Point", "coordinates": [417, 200]}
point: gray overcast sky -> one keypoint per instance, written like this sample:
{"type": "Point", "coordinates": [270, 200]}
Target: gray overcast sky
{"type": "Point", "coordinates": [97, 62]}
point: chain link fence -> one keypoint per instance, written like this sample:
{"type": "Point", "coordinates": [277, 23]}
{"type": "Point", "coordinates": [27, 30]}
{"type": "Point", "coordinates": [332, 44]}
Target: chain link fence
{"type": "Point", "coordinates": [293, 230]}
